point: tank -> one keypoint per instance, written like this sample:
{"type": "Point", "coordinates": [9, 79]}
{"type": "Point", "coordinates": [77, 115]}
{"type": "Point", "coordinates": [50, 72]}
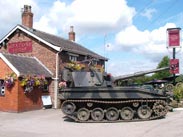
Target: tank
{"type": "Point", "coordinates": [89, 95]}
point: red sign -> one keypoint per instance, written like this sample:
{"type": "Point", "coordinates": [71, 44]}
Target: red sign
{"type": "Point", "coordinates": [174, 66]}
{"type": "Point", "coordinates": [20, 47]}
{"type": "Point", "coordinates": [174, 37]}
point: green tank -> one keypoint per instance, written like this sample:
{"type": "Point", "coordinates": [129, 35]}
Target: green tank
{"type": "Point", "coordinates": [91, 96]}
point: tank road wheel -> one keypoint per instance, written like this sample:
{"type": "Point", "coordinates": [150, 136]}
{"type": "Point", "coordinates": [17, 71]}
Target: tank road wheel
{"type": "Point", "coordinates": [144, 112]}
{"type": "Point", "coordinates": [83, 114]}
{"type": "Point", "coordinates": [68, 108]}
{"type": "Point", "coordinates": [127, 113]}
{"type": "Point", "coordinates": [97, 114]}
{"type": "Point", "coordinates": [160, 108]}
{"type": "Point", "coordinates": [112, 114]}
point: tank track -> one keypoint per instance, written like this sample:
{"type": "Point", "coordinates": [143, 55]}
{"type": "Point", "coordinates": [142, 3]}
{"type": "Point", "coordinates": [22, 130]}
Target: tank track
{"type": "Point", "coordinates": [142, 110]}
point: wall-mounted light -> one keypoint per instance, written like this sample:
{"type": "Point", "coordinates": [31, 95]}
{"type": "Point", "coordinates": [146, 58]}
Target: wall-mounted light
{"type": "Point", "coordinates": [4, 44]}
{"type": "Point", "coordinates": [18, 32]}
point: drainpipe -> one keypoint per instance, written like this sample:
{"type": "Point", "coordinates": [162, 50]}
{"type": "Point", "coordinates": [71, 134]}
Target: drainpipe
{"type": "Point", "coordinates": [56, 80]}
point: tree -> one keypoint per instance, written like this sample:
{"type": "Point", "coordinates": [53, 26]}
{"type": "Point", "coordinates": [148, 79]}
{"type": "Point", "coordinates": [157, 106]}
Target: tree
{"type": "Point", "coordinates": [178, 92]}
{"type": "Point", "coordinates": [162, 74]}
{"type": "Point", "coordinates": [142, 79]}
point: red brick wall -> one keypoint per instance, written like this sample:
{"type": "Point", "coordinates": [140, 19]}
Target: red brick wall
{"type": "Point", "coordinates": [30, 100]}
{"type": "Point", "coordinates": [10, 100]}
{"type": "Point", "coordinates": [15, 100]}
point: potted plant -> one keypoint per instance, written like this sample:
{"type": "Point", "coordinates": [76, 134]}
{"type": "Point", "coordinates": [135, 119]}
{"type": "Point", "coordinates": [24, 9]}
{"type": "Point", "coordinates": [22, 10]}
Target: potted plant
{"type": "Point", "coordinates": [10, 80]}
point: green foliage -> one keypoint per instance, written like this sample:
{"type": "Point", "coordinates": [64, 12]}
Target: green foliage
{"type": "Point", "coordinates": [162, 74]}
{"type": "Point", "coordinates": [178, 92]}
{"type": "Point", "coordinates": [141, 80]}
{"type": "Point", "coordinates": [179, 79]}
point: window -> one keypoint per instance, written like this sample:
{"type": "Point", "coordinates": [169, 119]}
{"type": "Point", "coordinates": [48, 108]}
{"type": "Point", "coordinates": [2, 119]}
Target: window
{"type": "Point", "coordinates": [2, 87]}
{"type": "Point", "coordinates": [72, 58]}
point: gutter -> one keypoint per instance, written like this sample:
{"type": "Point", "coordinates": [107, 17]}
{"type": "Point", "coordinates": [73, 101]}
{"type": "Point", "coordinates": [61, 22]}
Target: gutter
{"type": "Point", "coordinates": [56, 80]}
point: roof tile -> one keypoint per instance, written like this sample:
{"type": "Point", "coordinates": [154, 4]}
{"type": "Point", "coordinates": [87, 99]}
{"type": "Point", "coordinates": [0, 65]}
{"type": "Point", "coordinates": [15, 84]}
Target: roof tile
{"type": "Point", "coordinates": [27, 65]}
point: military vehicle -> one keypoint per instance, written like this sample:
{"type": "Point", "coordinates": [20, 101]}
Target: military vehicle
{"type": "Point", "coordinates": [89, 95]}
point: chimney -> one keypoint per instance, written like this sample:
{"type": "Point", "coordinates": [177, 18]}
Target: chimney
{"type": "Point", "coordinates": [72, 34]}
{"type": "Point", "coordinates": [27, 16]}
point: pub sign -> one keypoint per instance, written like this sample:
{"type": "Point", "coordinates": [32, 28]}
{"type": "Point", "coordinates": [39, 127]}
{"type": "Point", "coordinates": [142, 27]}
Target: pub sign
{"type": "Point", "coordinates": [20, 47]}
{"type": "Point", "coordinates": [173, 40]}
{"type": "Point", "coordinates": [174, 66]}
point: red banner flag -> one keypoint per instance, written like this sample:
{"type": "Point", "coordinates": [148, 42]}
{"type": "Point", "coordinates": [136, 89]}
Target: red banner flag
{"type": "Point", "coordinates": [174, 66]}
{"type": "Point", "coordinates": [173, 37]}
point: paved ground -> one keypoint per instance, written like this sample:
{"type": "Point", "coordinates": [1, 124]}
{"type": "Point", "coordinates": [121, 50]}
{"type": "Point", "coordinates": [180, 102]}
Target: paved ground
{"type": "Point", "coordinates": [50, 123]}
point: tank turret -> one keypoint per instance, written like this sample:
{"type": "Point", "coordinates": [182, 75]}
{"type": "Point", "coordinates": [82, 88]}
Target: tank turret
{"type": "Point", "coordinates": [82, 75]}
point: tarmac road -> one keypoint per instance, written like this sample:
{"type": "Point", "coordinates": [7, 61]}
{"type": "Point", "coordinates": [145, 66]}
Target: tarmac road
{"type": "Point", "coordinates": [51, 123]}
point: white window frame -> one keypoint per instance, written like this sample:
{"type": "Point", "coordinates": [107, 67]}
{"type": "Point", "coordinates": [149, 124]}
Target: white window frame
{"type": "Point", "coordinates": [73, 57]}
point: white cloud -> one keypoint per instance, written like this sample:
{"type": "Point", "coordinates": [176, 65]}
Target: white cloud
{"type": "Point", "coordinates": [106, 14]}
{"type": "Point", "coordinates": [11, 13]}
{"type": "Point", "coordinates": [117, 68]}
{"type": "Point", "coordinates": [54, 19]}
{"type": "Point", "coordinates": [45, 26]}
{"type": "Point", "coordinates": [132, 37]}
{"type": "Point", "coordinates": [145, 42]}
{"type": "Point", "coordinates": [148, 13]}
{"type": "Point", "coordinates": [88, 15]}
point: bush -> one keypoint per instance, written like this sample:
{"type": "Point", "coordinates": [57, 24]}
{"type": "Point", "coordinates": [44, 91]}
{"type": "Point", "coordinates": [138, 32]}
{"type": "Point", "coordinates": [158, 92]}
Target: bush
{"type": "Point", "coordinates": [178, 92]}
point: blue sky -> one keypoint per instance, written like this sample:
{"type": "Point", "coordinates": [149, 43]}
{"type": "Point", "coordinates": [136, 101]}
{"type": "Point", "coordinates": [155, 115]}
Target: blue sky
{"type": "Point", "coordinates": [131, 33]}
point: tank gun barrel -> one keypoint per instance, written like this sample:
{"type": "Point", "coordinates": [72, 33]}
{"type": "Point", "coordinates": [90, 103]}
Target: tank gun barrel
{"type": "Point", "coordinates": [141, 73]}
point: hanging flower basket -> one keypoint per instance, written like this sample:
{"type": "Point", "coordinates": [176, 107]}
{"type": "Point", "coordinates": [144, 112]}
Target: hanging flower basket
{"type": "Point", "coordinates": [30, 82]}
{"type": "Point", "coordinates": [10, 80]}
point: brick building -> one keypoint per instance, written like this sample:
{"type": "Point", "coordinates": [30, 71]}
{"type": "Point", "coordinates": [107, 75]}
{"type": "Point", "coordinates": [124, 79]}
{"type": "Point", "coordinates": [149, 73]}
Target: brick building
{"type": "Point", "coordinates": [51, 51]}
{"type": "Point", "coordinates": [14, 97]}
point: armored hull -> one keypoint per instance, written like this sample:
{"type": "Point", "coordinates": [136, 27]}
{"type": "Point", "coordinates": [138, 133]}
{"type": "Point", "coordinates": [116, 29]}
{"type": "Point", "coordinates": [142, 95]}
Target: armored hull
{"type": "Point", "coordinates": [113, 104]}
